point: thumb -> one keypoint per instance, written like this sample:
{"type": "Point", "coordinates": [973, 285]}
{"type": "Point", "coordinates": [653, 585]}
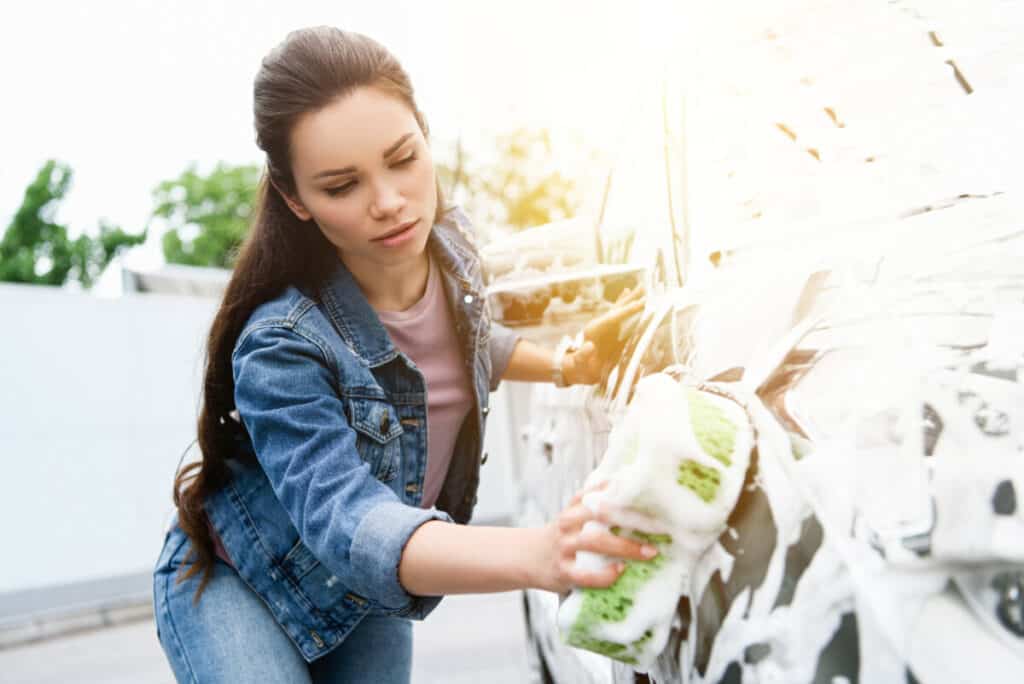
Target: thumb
{"type": "Point", "coordinates": [586, 354]}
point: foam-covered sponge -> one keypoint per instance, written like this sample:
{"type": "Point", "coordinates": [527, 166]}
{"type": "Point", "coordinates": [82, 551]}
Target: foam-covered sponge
{"type": "Point", "coordinates": [678, 458]}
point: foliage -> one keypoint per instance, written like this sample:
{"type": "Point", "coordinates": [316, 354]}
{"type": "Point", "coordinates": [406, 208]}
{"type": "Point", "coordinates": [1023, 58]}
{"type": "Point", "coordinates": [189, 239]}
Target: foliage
{"type": "Point", "coordinates": [207, 215]}
{"type": "Point", "coordinates": [90, 255]}
{"type": "Point", "coordinates": [36, 249]}
{"type": "Point", "coordinates": [519, 189]}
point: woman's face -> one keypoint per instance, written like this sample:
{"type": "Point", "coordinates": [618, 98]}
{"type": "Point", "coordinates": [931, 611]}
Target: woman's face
{"type": "Point", "coordinates": [364, 173]}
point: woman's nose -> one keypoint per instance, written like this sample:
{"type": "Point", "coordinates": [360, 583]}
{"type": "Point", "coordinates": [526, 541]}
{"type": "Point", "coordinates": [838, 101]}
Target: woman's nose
{"type": "Point", "coordinates": [387, 200]}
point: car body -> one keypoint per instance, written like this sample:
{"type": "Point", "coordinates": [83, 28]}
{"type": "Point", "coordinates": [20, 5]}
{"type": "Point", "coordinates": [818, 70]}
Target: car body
{"type": "Point", "coordinates": [824, 207]}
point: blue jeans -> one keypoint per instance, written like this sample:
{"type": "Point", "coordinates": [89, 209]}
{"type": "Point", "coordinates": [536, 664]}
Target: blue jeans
{"type": "Point", "coordinates": [230, 636]}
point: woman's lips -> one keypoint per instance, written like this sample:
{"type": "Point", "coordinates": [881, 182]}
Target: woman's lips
{"type": "Point", "coordinates": [397, 236]}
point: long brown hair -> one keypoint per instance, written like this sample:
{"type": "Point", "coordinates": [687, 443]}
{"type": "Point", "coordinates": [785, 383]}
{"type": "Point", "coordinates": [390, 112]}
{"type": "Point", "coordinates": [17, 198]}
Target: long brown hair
{"type": "Point", "coordinates": [306, 72]}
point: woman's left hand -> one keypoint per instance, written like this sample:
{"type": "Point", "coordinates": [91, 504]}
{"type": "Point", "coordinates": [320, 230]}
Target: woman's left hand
{"type": "Point", "coordinates": [602, 342]}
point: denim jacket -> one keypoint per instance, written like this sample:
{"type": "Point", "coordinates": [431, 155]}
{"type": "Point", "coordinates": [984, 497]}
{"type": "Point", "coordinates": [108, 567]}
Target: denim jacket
{"type": "Point", "coordinates": [317, 516]}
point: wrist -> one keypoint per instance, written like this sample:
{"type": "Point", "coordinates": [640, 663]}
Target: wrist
{"type": "Point", "coordinates": [540, 544]}
{"type": "Point", "coordinates": [562, 365]}
{"type": "Point", "coordinates": [569, 368]}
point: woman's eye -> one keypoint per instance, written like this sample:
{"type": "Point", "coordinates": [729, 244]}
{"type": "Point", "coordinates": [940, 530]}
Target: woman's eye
{"type": "Point", "coordinates": [344, 189]}
{"type": "Point", "coordinates": [340, 190]}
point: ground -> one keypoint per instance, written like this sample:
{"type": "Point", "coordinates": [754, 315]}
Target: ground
{"type": "Point", "coordinates": [468, 639]}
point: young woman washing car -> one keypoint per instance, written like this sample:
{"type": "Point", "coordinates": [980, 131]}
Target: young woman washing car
{"type": "Point", "coordinates": [345, 397]}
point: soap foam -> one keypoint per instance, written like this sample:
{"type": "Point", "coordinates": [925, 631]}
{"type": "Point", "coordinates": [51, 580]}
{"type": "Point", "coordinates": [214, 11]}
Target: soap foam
{"type": "Point", "coordinates": [675, 466]}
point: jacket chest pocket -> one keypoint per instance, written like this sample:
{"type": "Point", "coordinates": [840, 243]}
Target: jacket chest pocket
{"type": "Point", "coordinates": [377, 430]}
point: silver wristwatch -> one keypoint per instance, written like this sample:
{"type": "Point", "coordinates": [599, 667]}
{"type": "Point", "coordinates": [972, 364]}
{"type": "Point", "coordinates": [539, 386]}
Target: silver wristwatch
{"type": "Point", "coordinates": [557, 376]}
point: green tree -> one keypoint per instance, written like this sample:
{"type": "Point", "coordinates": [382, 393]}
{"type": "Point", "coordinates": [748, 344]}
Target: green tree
{"type": "Point", "coordinates": [519, 189]}
{"type": "Point", "coordinates": [90, 255]}
{"type": "Point", "coordinates": [36, 249]}
{"type": "Point", "coordinates": [207, 216]}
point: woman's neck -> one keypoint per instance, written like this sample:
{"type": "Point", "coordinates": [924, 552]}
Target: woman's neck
{"type": "Point", "coordinates": [391, 288]}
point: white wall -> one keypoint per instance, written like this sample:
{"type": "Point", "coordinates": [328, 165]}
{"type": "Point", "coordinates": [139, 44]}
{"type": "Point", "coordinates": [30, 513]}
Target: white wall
{"type": "Point", "coordinates": [98, 399]}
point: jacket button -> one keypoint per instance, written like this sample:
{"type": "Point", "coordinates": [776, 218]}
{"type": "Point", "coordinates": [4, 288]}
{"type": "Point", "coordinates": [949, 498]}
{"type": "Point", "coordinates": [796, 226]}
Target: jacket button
{"type": "Point", "coordinates": [485, 410]}
{"type": "Point", "coordinates": [316, 639]}
{"type": "Point", "coordinates": [468, 299]}
{"type": "Point", "coordinates": [412, 488]}
{"type": "Point", "coordinates": [484, 459]}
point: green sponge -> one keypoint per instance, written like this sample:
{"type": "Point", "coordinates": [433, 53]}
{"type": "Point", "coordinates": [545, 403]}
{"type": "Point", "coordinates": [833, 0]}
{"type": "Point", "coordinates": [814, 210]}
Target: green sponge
{"type": "Point", "coordinates": [611, 649]}
{"type": "Point", "coordinates": [653, 538]}
{"type": "Point", "coordinates": [644, 536]}
{"type": "Point", "coordinates": [715, 433]}
{"type": "Point", "coordinates": [702, 480]}
{"type": "Point", "coordinates": [707, 456]}
{"type": "Point", "coordinates": [612, 605]}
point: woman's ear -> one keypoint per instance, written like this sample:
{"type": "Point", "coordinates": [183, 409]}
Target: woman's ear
{"type": "Point", "coordinates": [297, 207]}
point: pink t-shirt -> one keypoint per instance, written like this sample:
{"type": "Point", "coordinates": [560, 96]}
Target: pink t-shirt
{"type": "Point", "coordinates": [425, 332]}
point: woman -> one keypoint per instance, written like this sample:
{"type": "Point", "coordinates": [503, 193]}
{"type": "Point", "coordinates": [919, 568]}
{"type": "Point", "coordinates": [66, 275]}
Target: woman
{"type": "Point", "coordinates": [321, 518]}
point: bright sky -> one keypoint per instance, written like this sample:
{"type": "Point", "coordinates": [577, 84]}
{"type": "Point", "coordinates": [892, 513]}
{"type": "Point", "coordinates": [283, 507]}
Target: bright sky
{"type": "Point", "coordinates": [130, 92]}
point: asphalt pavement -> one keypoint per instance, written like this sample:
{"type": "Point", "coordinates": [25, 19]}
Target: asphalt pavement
{"type": "Point", "coordinates": [467, 639]}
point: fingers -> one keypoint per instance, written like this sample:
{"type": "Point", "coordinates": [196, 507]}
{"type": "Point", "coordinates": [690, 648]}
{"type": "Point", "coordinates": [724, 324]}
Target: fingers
{"type": "Point", "coordinates": [627, 517]}
{"type": "Point", "coordinates": [597, 486]}
{"type": "Point", "coordinates": [627, 327]}
{"type": "Point", "coordinates": [616, 315]}
{"type": "Point", "coordinates": [573, 518]}
{"type": "Point", "coordinates": [581, 529]}
{"type": "Point", "coordinates": [586, 350]}
{"type": "Point", "coordinates": [583, 367]}
{"type": "Point", "coordinates": [627, 310]}
{"type": "Point", "coordinates": [628, 295]}
{"type": "Point", "coordinates": [608, 326]}
{"type": "Point", "coordinates": [579, 532]}
{"type": "Point", "coordinates": [604, 543]}
{"type": "Point", "coordinates": [585, 355]}
{"type": "Point", "coordinates": [608, 544]}
{"type": "Point", "coordinates": [607, 334]}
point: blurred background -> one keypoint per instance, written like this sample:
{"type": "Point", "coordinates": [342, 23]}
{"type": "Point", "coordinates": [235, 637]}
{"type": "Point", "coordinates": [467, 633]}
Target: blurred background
{"type": "Point", "coordinates": [672, 132]}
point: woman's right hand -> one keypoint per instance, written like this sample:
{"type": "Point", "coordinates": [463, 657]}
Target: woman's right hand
{"type": "Point", "coordinates": [560, 540]}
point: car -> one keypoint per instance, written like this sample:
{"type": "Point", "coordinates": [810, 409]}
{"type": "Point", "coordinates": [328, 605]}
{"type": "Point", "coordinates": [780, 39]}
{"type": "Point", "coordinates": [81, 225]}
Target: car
{"type": "Point", "coordinates": [888, 405]}
{"type": "Point", "coordinates": [822, 204]}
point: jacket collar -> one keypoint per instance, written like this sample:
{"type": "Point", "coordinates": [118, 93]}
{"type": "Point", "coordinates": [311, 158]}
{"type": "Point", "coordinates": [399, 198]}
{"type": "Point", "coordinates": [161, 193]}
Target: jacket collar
{"type": "Point", "coordinates": [358, 323]}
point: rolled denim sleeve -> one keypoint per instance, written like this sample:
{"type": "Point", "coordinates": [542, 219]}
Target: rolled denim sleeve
{"type": "Point", "coordinates": [379, 539]}
{"type": "Point", "coordinates": [354, 524]}
{"type": "Point", "coordinates": [500, 347]}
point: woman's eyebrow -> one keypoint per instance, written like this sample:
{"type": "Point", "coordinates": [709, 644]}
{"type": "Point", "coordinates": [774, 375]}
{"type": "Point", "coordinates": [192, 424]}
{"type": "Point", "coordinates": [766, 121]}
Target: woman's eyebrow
{"type": "Point", "coordinates": [351, 169]}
